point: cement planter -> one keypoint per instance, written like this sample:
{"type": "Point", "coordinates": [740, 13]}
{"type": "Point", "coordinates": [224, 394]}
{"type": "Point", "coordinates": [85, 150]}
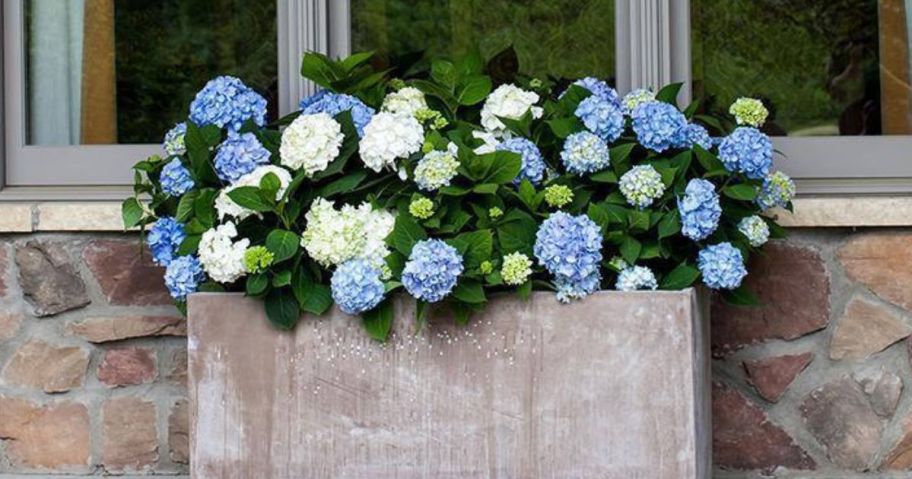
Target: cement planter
{"type": "Point", "coordinates": [616, 386]}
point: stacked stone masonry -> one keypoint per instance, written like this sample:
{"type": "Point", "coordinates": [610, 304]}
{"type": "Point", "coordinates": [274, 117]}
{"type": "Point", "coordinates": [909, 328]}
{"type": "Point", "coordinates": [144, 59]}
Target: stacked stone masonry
{"type": "Point", "coordinates": [812, 383]}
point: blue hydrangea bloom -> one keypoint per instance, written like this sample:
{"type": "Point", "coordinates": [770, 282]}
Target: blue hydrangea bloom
{"type": "Point", "coordinates": [570, 248]}
{"type": "Point", "coordinates": [699, 209]}
{"type": "Point", "coordinates": [658, 125]}
{"type": "Point", "coordinates": [722, 266]}
{"type": "Point", "coordinates": [325, 101]}
{"type": "Point", "coordinates": [533, 166]}
{"type": "Point", "coordinates": [227, 103]}
{"type": "Point", "coordinates": [239, 155]}
{"type": "Point", "coordinates": [777, 190]}
{"type": "Point", "coordinates": [601, 117]}
{"type": "Point", "coordinates": [164, 238]}
{"type": "Point", "coordinates": [600, 89]}
{"type": "Point", "coordinates": [747, 150]}
{"type": "Point", "coordinates": [432, 269]}
{"type": "Point", "coordinates": [357, 287]}
{"type": "Point", "coordinates": [183, 276]}
{"type": "Point", "coordinates": [175, 178]}
{"type": "Point", "coordinates": [584, 152]}
{"type": "Point", "coordinates": [173, 143]}
{"type": "Point", "coordinates": [694, 134]}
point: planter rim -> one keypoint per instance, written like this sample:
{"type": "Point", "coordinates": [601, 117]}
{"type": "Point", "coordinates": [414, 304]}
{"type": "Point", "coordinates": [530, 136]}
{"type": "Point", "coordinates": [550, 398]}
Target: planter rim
{"type": "Point", "coordinates": [604, 292]}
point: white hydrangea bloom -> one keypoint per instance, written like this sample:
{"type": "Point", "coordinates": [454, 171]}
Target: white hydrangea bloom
{"type": "Point", "coordinates": [755, 229]}
{"type": "Point", "coordinates": [227, 207]}
{"type": "Point", "coordinates": [508, 101]}
{"type": "Point", "coordinates": [311, 142]}
{"type": "Point", "coordinates": [388, 137]}
{"type": "Point", "coordinates": [490, 141]}
{"type": "Point", "coordinates": [335, 236]}
{"type": "Point", "coordinates": [636, 98]}
{"type": "Point", "coordinates": [634, 278]}
{"type": "Point", "coordinates": [222, 259]}
{"type": "Point", "coordinates": [406, 101]}
{"type": "Point", "coordinates": [437, 168]}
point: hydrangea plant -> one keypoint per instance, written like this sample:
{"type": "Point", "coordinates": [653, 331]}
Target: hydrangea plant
{"type": "Point", "coordinates": [449, 187]}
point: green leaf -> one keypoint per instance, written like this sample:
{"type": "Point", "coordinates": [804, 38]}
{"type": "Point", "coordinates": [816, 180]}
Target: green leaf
{"type": "Point", "coordinates": [475, 246]}
{"type": "Point", "coordinates": [740, 297]}
{"type": "Point", "coordinates": [355, 60]}
{"type": "Point", "coordinates": [405, 234]}
{"type": "Point", "coordinates": [204, 206]}
{"type": "Point", "coordinates": [707, 160]}
{"type": "Point", "coordinates": [679, 278]}
{"type": "Point", "coordinates": [598, 213]}
{"type": "Point", "coordinates": [638, 220]}
{"type": "Point", "coordinates": [505, 167]}
{"type": "Point", "coordinates": [282, 309]}
{"type": "Point", "coordinates": [256, 284]}
{"type": "Point", "coordinates": [473, 90]}
{"type": "Point", "coordinates": [469, 291]}
{"type": "Point", "coordinates": [198, 153]}
{"type": "Point", "coordinates": [619, 153]}
{"type": "Point", "coordinates": [517, 233]}
{"type": "Point", "coordinates": [669, 225]}
{"type": "Point", "coordinates": [132, 212]}
{"type": "Point", "coordinates": [630, 249]}
{"type": "Point", "coordinates": [270, 184]}
{"type": "Point", "coordinates": [606, 176]}
{"type": "Point", "coordinates": [312, 297]}
{"type": "Point", "coordinates": [444, 72]}
{"type": "Point", "coordinates": [283, 244]}
{"type": "Point", "coordinates": [462, 312]}
{"type": "Point", "coordinates": [378, 321]}
{"type": "Point", "coordinates": [525, 290]}
{"type": "Point", "coordinates": [564, 127]}
{"type": "Point", "coordinates": [346, 183]}
{"type": "Point", "coordinates": [249, 197]}
{"type": "Point", "coordinates": [740, 192]}
{"type": "Point", "coordinates": [185, 206]}
{"type": "Point", "coordinates": [282, 278]}
{"type": "Point", "coordinates": [190, 245]}
{"type": "Point", "coordinates": [528, 194]}
{"type": "Point", "coordinates": [485, 189]}
{"type": "Point", "coordinates": [319, 68]}
{"type": "Point", "coordinates": [669, 93]}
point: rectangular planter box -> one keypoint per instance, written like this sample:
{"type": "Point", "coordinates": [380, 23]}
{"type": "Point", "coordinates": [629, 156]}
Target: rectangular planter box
{"type": "Point", "coordinates": [615, 386]}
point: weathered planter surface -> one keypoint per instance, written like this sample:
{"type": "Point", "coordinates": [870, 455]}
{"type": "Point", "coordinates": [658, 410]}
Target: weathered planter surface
{"type": "Point", "coordinates": [615, 386]}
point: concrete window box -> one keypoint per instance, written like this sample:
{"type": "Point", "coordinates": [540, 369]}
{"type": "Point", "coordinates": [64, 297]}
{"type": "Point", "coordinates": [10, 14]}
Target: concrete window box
{"type": "Point", "coordinates": [616, 386]}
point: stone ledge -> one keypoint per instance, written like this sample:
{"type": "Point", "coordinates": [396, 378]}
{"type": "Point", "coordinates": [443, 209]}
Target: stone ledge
{"type": "Point", "coordinates": [810, 212]}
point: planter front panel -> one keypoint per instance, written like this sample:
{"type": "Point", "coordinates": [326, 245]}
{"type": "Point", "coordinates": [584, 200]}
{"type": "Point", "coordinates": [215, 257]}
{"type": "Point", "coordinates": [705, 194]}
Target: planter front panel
{"type": "Point", "coordinates": [611, 387]}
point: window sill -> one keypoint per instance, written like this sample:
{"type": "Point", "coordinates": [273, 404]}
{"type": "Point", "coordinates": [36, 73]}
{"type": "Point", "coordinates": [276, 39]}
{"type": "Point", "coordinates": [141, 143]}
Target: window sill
{"type": "Point", "coordinates": [810, 212]}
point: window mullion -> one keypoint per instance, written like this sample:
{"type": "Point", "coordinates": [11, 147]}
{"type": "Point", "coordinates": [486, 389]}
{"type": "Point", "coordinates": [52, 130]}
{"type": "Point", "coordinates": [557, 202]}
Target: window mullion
{"type": "Point", "coordinates": [303, 25]}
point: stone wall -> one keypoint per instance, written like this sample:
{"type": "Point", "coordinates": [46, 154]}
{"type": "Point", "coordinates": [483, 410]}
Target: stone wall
{"type": "Point", "coordinates": [811, 384]}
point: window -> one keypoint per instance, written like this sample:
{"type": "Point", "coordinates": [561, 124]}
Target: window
{"type": "Point", "coordinates": [91, 85]}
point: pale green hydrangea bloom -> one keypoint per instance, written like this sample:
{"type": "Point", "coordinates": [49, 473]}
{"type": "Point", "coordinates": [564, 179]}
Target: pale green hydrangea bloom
{"type": "Point", "coordinates": [558, 195]}
{"type": "Point", "coordinates": [495, 213]}
{"type": "Point", "coordinates": [617, 263]}
{"type": "Point", "coordinates": [516, 268]}
{"type": "Point", "coordinates": [397, 84]}
{"type": "Point", "coordinates": [535, 83]}
{"type": "Point", "coordinates": [749, 111]}
{"type": "Point", "coordinates": [432, 117]}
{"type": "Point", "coordinates": [486, 267]}
{"type": "Point", "coordinates": [257, 259]}
{"type": "Point", "coordinates": [436, 169]}
{"type": "Point", "coordinates": [755, 229]}
{"type": "Point", "coordinates": [421, 208]}
{"type": "Point", "coordinates": [642, 185]}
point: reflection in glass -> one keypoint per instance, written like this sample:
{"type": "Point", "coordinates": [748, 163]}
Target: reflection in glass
{"type": "Point", "coordinates": [562, 38]}
{"type": "Point", "coordinates": [823, 67]}
{"type": "Point", "coordinates": [106, 71]}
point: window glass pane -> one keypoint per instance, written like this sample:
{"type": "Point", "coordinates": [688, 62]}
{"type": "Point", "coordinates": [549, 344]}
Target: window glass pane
{"type": "Point", "coordinates": [124, 71]}
{"type": "Point", "coordinates": [823, 67]}
{"type": "Point", "coordinates": [561, 38]}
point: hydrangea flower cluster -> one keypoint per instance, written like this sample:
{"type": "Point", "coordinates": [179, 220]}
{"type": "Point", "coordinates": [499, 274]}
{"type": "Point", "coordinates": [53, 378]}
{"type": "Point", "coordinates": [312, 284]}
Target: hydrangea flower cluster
{"type": "Point", "coordinates": [633, 278]}
{"type": "Point", "coordinates": [164, 238]}
{"type": "Point", "coordinates": [331, 103]}
{"type": "Point", "coordinates": [407, 101]}
{"type": "Point", "coordinates": [722, 266]}
{"type": "Point", "coordinates": [747, 150]}
{"type": "Point", "coordinates": [421, 208]}
{"type": "Point", "coordinates": [508, 101]}
{"type": "Point", "coordinates": [183, 276]}
{"type": "Point", "coordinates": [694, 134]}
{"type": "Point", "coordinates": [516, 269]}
{"type": "Point", "coordinates": [432, 269]}
{"type": "Point", "coordinates": [222, 258]}
{"type": "Point", "coordinates": [173, 143]}
{"type": "Point", "coordinates": [558, 196]}
{"type": "Point", "coordinates": [601, 117]}
{"type": "Point", "coordinates": [227, 103]}
{"type": "Point", "coordinates": [749, 111]}
{"type": "Point", "coordinates": [601, 90]}
{"type": "Point", "coordinates": [778, 190]}
{"type": "Point", "coordinates": [584, 152]}
{"type": "Point", "coordinates": [642, 185]}
{"type": "Point", "coordinates": [175, 178]}
{"type": "Point", "coordinates": [700, 209]}
{"type": "Point", "coordinates": [533, 166]}
{"type": "Point", "coordinates": [333, 237]}
{"type": "Point", "coordinates": [754, 229]}
{"type": "Point", "coordinates": [257, 259]}
{"type": "Point", "coordinates": [570, 248]}
{"type": "Point", "coordinates": [658, 125]}
{"type": "Point", "coordinates": [311, 142]}
{"type": "Point", "coordinates": [436, 169]}
{"type": "Point", "coordinates": [389, 137]}
{"type": "Point", "coordinates": [636, 98]}
{"type": "Point", "coordinates": [238, 155]}
{"type": "Point", "coordinates": [357, 286]}
{"type": "Point", "coordinates": [226, 207]}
